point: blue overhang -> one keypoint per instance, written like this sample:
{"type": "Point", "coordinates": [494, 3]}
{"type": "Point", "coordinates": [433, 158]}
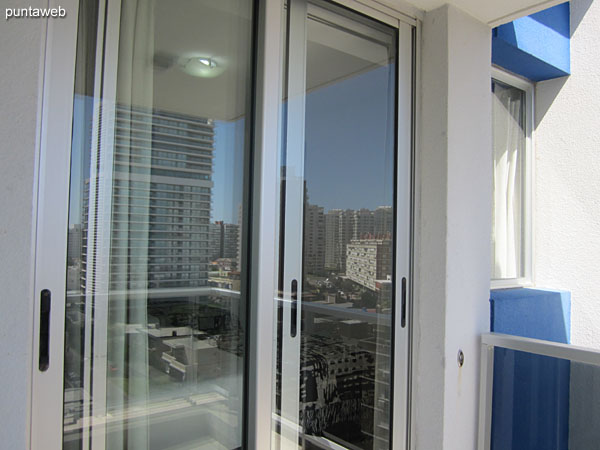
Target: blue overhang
{"type": "Point", "coordinates": [536, 47]}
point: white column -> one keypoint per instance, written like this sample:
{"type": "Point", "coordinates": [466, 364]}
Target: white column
{"type": "Point", "coordinates": [453, 223]}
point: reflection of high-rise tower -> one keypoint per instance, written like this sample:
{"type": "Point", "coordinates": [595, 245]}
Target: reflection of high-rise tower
{"type": "Point", "coordinates": [161, 200]}
{"type": "Point", "coordinates": [384, 220]}
{"type": "Point", "coordinates": [224, 238]}
{"type": "Point", "coordinates": [342, 226]}
{"type": "Point", "coordinates": [314, 239]}
{"type": "Point", "coordinates": [238, 255]}
{"type": "Point", "coordinates": [339, 230]}
{"type": "Point", "coordinates": [74, 243]}
{"type": "Point", "coordinates": [346, 227]}
{"type": "Point", "coordinates": [362, 223]}
{"type": "Point", "coordinates": [332, 244]}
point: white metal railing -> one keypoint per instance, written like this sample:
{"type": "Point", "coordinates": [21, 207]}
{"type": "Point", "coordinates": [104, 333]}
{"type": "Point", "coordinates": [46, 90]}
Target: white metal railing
{"type": "Point", "coordinates": [490, 341]}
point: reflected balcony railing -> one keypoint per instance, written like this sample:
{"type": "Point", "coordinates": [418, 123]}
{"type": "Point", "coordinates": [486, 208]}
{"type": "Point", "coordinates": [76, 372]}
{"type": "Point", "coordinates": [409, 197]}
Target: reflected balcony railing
{"type": "Point", "coordinates": [537, 394]}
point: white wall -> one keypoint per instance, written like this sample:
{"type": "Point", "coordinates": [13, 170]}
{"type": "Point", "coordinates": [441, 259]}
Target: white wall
{"type": "Point", "coordinates": [21, 43]}
{"type": "Point", "coordinates": [454, 228]}
{"type": "Point", "coordinates": [453, 219]}
{"type": "Point", "coordinates": [567, 181]}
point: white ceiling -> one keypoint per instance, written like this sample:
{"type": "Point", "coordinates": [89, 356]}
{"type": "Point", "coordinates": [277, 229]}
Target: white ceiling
{"type": "Point", "coordinates": [492, 12]}
{"type": "Point", "coordinates": [221, 29]}
{"type": "Point", "coordinates": [194, 28]}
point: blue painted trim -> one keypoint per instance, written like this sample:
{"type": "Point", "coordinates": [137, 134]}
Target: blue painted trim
{"type": "Point", "coordinates": [536, 47]}
{"type": "Point", "coordinates": [533, 313]}
{"type": "Point", "coordinates": [530, 406]}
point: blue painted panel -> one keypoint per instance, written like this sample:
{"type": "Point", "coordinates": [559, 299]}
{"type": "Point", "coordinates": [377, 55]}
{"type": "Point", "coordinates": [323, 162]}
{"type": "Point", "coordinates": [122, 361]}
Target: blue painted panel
{"type": "Point", "coordinates": [534, 313]}
{"type": "Point", "coordinates": [537, 46]}
{"type": "Point", "coordinates": [530, 408]}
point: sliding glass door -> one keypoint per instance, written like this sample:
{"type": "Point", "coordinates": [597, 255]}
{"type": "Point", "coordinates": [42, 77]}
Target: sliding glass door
{"type": "Point", "coordinates": [149, 244]}
{"type": "Point", "coordinates": [342, 254]}
{"type": "Point", "coordinates": [155, 320]}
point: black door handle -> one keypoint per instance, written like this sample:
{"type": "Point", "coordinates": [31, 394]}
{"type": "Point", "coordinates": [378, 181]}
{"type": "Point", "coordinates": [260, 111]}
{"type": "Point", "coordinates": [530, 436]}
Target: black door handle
{"type": "Point", "coordinates": [294, 313]}
{"type": "Point", "coordinates": [403, 316]}
{"type": "Point", "coordinates": [44, 360]}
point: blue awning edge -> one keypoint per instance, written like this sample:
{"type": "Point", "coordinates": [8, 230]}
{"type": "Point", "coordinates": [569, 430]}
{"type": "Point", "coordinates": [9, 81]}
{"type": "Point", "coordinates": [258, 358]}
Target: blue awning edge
{"type": "Point", "coordinates": [536, 47]}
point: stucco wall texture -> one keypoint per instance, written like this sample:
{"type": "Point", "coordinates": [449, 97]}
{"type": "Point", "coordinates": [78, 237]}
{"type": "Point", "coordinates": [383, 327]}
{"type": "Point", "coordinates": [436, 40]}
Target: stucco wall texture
{"type": "Point", "coordinates": [567, 177]}
{"type": "Point", "coordinates": [21, 53]}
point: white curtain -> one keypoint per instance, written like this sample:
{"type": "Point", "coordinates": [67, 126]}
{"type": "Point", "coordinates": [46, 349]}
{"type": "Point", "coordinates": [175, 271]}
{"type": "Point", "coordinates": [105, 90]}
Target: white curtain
{"type": "Point", "coordinates": [128, 378]}
{"type": "Point", "coordinates": [508, 147]}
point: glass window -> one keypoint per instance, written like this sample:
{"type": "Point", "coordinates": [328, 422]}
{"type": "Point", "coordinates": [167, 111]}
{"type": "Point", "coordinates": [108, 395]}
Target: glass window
{"type": "Point", "coordinates": [511, 243]}
{"type": "Point", "coordinates": [155, 311]}
{"type": "Point", "coordinates": [334, 358]}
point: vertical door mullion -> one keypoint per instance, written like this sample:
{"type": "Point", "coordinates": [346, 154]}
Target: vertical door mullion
{"type": "Point", "coordinates": [87, 340]}
{"type": "Point", "coordinates": [265, 218]}
{"type": "Point", "coordinates": [51, 227]}
{"type": "Point", "coordinates": [403, 235]}
{"type": "Point", "coordinates": [293, 223]}
{"type": "Point", "coordinates": [101, 180]}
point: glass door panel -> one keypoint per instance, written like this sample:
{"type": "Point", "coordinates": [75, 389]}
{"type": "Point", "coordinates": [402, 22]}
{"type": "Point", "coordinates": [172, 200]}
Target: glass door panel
{"type": "Point", "coordinates": [336, 301]}
{"type": "Point", "coordinates": [156, 298]}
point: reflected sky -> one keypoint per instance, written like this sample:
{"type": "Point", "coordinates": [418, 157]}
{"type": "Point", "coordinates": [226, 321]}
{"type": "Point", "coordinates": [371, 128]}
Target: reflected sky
{"type": "Point", "coordinates": [342, 119]}
{"type": "Point", "coordinates": [343, 122]}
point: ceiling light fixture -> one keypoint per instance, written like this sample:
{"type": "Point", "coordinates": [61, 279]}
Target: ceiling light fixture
{"type": "Point", "coordinates": [208, 62]}
{"type": "Point", "coordinates": [202, 66]}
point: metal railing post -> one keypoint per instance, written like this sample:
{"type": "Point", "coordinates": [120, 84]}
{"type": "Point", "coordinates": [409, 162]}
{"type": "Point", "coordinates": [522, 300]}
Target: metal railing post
{"type": "Point", "coordinates": [486, 386]}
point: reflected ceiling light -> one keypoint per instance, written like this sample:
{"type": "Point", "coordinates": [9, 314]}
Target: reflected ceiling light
{"type": "Point", "coordinates": [201, 66]}
{"type": "Point", "coordinates": [207, 62]}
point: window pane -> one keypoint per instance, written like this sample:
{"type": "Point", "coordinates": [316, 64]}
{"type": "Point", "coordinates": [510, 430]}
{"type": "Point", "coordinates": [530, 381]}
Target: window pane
{"type": "Point", "coordinates": [509, 144]}
{"type": "Point", "coordinates": [344, 345]}
{"type": "Point", "coordinates": [156, 311]}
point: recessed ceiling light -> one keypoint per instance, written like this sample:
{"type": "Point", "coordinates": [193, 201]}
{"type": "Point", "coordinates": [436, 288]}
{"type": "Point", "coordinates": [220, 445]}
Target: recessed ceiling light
{"type": "Point", "coordinates": [208, 62]}
{"type": "Point", "coordinates": [202, 66]}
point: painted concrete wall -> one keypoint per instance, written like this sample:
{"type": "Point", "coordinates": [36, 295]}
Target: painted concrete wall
{"type": "Point", "coordinates": [454, 223]}
{"type": "Point", "coordinates": [567, 180]}
{"type": "Point", "coordinates": [21, 44]}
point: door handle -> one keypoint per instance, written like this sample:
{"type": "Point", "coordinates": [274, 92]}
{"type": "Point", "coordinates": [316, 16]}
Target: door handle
{"type": "Point", "coordinates": [403, 315]}
{"type": "Point", "coordinates": [44, 358]}
{"type": "Point", "coordinates": [294, 312]}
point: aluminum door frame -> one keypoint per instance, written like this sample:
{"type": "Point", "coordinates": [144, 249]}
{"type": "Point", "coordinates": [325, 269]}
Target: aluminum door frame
{"type": "Point", "coordinates": [56, 118]}
{"type": "Point", "coordinates": [52, 180]}
{"type": "Point", "coordinates": [266, 201]}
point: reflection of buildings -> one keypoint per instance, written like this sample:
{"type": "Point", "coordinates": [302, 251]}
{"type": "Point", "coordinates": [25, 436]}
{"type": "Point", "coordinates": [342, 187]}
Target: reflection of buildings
{"type": "Point", "coordinates": [332, 251]}
{"type": "Point", "coordinates": [369, 260]}
{"type": "Point", "coordinates": [340, 226]}
{"type": "Point", "coordinates": [222, 274]}
{"type": "Point", "coordinates": [383, 218]}
{"type": "Point", "coordinates": [161, 200]}
{"type": "Point", "coordinates": [343, 226]}
{"type": "Point", "coordinates": [238, 258]}
{"type": "Point", "coordinates": [224, 239]}
{"type": "Point", "coordinates": [345, 382]}
{"type": "Point", "coordinates": [74, 243]}
{"type": "Point", "coordinates": [346, 332]}
{"type": "Point", "coordinates": [74, 257]}
{"type": "Point", "coordinates": [314, 239]}
{"type": "Point", "coordinates": [362, 223]}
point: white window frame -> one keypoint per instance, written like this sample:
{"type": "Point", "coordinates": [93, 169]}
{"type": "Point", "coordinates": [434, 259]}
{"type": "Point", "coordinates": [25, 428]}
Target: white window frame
{"type": "Point", "coordinates": [528, 87]}
{"type": "Point", "coordinates": [53, 185]}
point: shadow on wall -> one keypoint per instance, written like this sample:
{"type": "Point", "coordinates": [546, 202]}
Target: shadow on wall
{"type": "Point", "coordinates": [551, 88]}
{"type": "Point", "coordinates": [546, 93]}
{"type": "Point", "coordinates": [578, 10]}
